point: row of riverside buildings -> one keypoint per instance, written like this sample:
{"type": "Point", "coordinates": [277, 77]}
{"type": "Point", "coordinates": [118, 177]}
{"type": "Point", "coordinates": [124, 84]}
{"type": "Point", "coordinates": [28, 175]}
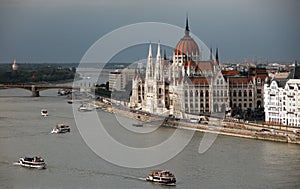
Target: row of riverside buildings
{"type": "Point", "coordinates": [282, 99]}
{"type": "Point", "coordinates": [186, 86]}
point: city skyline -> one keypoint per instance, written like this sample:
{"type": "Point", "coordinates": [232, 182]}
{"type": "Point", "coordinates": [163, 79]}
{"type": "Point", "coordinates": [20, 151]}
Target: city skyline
{"type": "Point", "coordinates": [61, 31]}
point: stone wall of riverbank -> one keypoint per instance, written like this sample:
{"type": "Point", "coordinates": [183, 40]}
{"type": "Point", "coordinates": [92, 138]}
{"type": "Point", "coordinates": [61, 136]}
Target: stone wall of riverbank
{"type": "Point", "coordinates": [254, 131]}
{"type": "Point", "coordinates": [239, 131]}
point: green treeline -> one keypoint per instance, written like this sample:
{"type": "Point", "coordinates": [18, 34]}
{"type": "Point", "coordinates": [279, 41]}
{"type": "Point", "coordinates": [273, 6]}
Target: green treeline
{"type": "Point", "coordinates": [35, 73]}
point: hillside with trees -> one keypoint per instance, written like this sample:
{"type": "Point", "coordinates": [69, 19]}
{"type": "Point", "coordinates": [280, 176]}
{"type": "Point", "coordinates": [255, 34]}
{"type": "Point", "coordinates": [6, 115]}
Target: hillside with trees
{"type": "Point", "coordinates": [36, 73]}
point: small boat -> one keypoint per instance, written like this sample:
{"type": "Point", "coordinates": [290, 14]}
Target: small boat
{"type": "Point", "coordinates": [61, 128]}
{"type": "Point", "coordinates": [162, 177]}
{"type": "Point", "coordinates": [44, 112]}
{"type": "Point", "coordinates": [71, 101]}
{"type": "Point", "coordinates": [32, 162]}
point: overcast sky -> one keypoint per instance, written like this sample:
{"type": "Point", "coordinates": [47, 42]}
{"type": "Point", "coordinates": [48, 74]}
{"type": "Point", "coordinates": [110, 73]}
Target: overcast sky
{"type": "Point", "coordinates": [62, 30]}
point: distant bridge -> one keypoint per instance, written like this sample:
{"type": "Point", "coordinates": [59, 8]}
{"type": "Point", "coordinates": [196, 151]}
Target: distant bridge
{"type": "Point", "coordinates": [36, 88]}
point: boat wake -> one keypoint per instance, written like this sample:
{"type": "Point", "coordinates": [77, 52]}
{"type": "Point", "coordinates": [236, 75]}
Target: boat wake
{"type": "Point", "coordinates": [16, 163]}
{"type": "Point", "coordinates": [4, 163]}
{"type": "Point", "coordinates": [133, 177]}
{"type": "Point", "coordinates": [25, 135]}
{"type": "Point", "coordinates": [95, 172]}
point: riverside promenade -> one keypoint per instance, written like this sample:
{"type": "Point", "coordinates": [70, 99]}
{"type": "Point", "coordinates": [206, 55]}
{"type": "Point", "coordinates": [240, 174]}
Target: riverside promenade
{"type": "Point", "coordinates": [230, 128]}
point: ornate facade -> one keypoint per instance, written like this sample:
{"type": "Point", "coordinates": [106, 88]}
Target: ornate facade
{"type": "Point", "coordinates": [246, 90]}
{"type": "Point", "coordinates": [184, 85]}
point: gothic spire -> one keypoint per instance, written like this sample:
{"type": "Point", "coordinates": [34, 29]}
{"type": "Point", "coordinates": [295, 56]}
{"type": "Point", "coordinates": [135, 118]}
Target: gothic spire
{"type": "Point", "coordinates": [158, 55]}
{"type": "Point", "coordinates": [187, 29]}
{"type": "Point", "coordinates": [187, 23]}
{"type": "Point", "coordinates": [217, 57]}
{"type": "Point", "coordinates": [149, 68]}
{"type": "Point", "coordinates": [158, 65]}
{"type": "Point", "coordinates": [150, 51]}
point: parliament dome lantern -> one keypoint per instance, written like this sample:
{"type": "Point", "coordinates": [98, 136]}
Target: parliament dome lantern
{"type": "Point", "coordinates": [15, 66]}
{"type": "Point", "coordinates": [187, 45]}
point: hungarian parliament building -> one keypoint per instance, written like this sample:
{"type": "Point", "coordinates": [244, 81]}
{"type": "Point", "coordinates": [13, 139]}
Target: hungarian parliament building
{"type": "Point", "coordinates": [188, 85]}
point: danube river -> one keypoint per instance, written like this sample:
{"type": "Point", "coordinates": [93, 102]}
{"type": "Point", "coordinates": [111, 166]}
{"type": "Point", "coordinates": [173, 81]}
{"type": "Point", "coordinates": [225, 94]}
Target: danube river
{"type": "Point", "coordinates": [230, 162]}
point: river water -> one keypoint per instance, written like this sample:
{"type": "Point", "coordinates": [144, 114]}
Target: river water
{"type": "Point", "coordinates": [230, 162]}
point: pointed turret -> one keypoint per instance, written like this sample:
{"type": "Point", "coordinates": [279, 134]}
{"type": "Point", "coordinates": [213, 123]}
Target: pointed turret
{"type": "Point", "coordinates": [211, 56]}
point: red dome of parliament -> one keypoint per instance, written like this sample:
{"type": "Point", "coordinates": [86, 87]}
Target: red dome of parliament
{"type": "Point", "coordinates": [187, 44]}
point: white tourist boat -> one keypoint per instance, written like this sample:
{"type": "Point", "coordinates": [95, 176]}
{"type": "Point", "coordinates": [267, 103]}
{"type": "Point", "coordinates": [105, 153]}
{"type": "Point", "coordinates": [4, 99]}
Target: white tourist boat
{"type": "Point", "coordinates": [44, 112]}
{"type": "Point", "coordinates": [162, 177]}
{"type": "Point", "coordinates": [61, 128]}
{"type": "Point", "coordinates": [31, 162]}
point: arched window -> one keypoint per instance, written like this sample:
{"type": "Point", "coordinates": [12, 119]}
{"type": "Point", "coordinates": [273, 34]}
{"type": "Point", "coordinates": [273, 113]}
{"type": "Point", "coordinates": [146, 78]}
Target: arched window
{"type": "Point", "coordinates": [234, 93]}
{"type": "Point", "coordinates": [250, 93]}
{"type": "Point", "coordinates": [201, 93]}
{"type": "Point", "coordinates": [196, 93]}
{"type": "Point", "coordinates": [245, 93]}
{"type": "Point", "coordinates": [240, 93]}
{"type": "Point", "coordinates": [207, 93]}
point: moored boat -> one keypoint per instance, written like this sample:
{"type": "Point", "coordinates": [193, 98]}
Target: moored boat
{"type": "Point", "coordinates": [44, 112]}
{"type": "Point", "coordinates": [137, 124]}
{"type": "Point", "coordinates": [86, 107]}
{"type": "Point", "coordinates": [162, 177]}
{"type": "Point", "coordinates": [63, 92]}
{"type": "Point", "coordinates": [61, 128]}
{"type": "Point", "coordinates": [32, 162]}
